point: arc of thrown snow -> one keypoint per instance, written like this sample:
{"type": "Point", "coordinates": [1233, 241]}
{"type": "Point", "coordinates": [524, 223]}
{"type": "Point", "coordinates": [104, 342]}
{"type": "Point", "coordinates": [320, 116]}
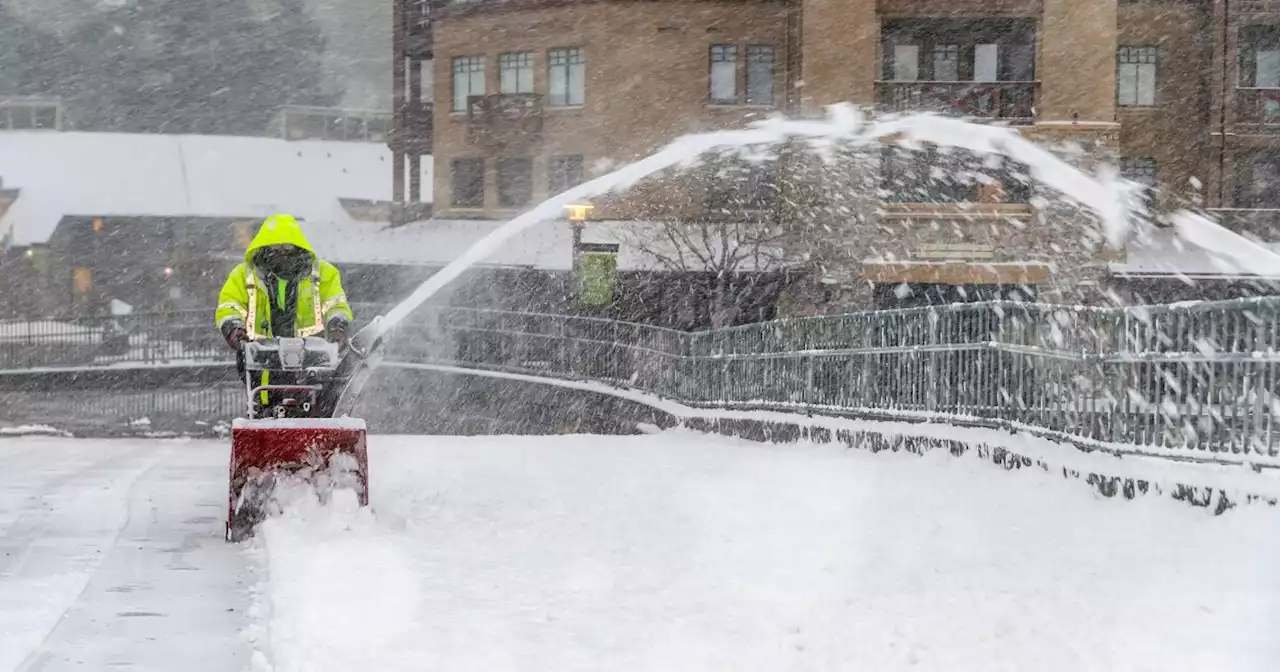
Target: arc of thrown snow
{"type": "Point", "coordinates": [844, 123]}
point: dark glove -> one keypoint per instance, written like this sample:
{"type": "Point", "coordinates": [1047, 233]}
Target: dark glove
{"type": "Point", "coordinates": [336, 330]}
{"type": "Point", "coordinates": [235, 335]}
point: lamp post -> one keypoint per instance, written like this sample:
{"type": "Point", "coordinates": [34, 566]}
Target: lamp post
{"type": "Point", "coordinates": [577, 215]}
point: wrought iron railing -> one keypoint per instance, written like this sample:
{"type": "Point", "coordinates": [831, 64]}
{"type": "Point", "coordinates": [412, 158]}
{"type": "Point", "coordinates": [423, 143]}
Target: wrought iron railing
{"type": "Point", "coordinates": [1194, 380]}
{"type": "Point", "coordinates": [173, 338]}
{"type": "Point", "coordinates": [1012, 102]}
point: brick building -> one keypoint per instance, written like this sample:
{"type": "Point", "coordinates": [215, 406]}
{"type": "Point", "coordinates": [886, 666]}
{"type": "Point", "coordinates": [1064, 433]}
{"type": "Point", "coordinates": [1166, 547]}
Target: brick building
{"type": "Point", "coordinates": [520, 99]}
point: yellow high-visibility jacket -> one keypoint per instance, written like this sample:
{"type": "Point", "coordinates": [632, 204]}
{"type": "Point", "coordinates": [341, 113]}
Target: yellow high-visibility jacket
{"type": "Point", "coordinates": [246, 298]}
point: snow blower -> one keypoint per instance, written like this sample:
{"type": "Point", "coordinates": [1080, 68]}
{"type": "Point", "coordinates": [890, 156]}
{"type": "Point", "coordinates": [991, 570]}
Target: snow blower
{"type": "Point", "coordinates": [295, 386]}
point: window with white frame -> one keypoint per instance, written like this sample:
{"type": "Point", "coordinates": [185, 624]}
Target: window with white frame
{"type": "Point", "coordinates": [515, 72]}
{"type": "Point", "coordinates": [468, 80]}
{"type": "Point", "coordinates": [759, 74]}
{"type": "Point", "coordinates": [726, 83]}
{"type": "Point", "coordinates": [986, 62]}
{"type": "Point", "coordinates": [1136, 71]}
{"type": "Point", "coordinates": [906, 62]}
{"type": "Point", "coordinates": [724, 74]}
{"type": "Point", "coordinates": [566, 77]}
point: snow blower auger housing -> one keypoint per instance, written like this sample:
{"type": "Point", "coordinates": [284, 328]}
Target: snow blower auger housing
{"type": "Point", "coordinates": [293, 386]}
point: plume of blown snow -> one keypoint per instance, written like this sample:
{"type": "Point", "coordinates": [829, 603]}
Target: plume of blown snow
{"type": "Point", "coordinates": [845, 124]}
{"type": "Point", "coordinates": [1233, 248]}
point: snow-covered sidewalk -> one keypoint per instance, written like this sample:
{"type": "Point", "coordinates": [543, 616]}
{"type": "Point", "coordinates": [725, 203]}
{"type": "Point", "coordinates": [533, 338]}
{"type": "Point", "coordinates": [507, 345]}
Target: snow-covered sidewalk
{"type": "Point", "coordinates": [112, 557]}
{"type": "Point", "coordinates": [680, 551]}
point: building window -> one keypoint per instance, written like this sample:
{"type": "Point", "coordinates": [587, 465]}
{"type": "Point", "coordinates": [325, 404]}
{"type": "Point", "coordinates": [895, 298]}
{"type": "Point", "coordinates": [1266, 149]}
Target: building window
{"type": "Point", "coordinates": [1260, 57]}
{"type": "Point", "coordinates": [946, 63]}
{"type": "Point", "coordinates": [515, 182]}
{"type": "Point", "coordinates": [1140, 169]}
{"type": "Point", "coordinates": [566, 76]}
{"type": "Point", "coordinates": [1257, 183]}
{"type": "Point", "coordinates": [468, 80]}
{"type": "Point", "coordinates": [1136, 76]}
{"type": "Point", "coordinates": [760, 74]}
{"type": "Point", "coordinates": [906, 63]}
{"type": "Point", "coordinates": [468, 183]}
{"type": "Point", "coordinates": [564, 172]}
{"type": "Point", "coordinates": [724, 73]}
{"type": "Point", "coordinates": [515, 72]}
{"type": "Point", "coordinates": [986, 62]}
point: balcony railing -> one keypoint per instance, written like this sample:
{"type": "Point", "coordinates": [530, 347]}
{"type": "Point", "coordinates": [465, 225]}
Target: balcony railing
{"type": "Point", "coordinates": [504, 118]}
{"type": "Point", "coordinates": [1013, 102]}
{"type": "Point", "coordinates": [299, 122]}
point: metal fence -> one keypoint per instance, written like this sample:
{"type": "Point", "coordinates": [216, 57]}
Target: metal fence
{"type": "Point", "coordinates": [1197, 376]}
{"type": "Point", "coordinates": [178, 337]}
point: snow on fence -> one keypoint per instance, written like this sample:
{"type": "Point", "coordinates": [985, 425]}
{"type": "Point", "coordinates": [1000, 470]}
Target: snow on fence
{"type": "Point", "coordinates": [1195, 381]}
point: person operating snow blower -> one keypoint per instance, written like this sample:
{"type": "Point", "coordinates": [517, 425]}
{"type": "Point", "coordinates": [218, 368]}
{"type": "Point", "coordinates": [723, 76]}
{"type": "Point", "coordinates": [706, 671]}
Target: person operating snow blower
{"type": "Point", "coordinates": [282, 290]}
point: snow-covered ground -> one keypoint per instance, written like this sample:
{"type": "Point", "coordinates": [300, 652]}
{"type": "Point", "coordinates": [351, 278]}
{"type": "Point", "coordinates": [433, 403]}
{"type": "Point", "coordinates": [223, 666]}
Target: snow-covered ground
{"type": "Point", "coordinates": [672, 551]}
{"type": "Point", "coordinates": [111, 557]}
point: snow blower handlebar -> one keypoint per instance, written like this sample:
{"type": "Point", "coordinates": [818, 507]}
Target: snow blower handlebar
{"type": "Point", "coordinates": [302, 367]}
{"type": "Point", "coordinates": [314, 355]}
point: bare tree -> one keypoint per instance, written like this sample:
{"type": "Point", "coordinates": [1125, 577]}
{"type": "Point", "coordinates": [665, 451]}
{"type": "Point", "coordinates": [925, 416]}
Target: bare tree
{"type": "Point", "coordinates": [732, 266]}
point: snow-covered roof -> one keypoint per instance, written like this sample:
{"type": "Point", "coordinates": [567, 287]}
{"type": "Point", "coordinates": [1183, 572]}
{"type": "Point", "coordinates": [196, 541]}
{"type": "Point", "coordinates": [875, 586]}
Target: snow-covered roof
{"type": "Point", "coordinates": [123, 174]}
{"type": "Point", "coordinates": [1163, 253]}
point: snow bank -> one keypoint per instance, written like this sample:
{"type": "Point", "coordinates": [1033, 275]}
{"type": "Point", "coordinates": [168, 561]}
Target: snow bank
{"type": "Point", "coordinates": [309, 596]}
{"type": "Point", "coordinates": [679, 551]}
{"type": "Point", "coordinates": [28, 430]}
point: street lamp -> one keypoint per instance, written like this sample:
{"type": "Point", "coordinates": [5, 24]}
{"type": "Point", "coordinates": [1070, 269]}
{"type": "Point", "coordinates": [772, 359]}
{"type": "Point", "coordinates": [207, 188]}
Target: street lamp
{"type": "Point", "coordinates": [576, 213]}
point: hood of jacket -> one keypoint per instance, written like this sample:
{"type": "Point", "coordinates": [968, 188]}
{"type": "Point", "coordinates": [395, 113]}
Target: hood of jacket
{"type": "Point", "coordinates": [278, 230]}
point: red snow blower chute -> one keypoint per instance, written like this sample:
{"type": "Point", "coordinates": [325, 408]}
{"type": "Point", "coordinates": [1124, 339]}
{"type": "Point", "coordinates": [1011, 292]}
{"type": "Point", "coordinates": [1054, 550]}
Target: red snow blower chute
{"type": "Point", "coordinates": [295, 388]}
